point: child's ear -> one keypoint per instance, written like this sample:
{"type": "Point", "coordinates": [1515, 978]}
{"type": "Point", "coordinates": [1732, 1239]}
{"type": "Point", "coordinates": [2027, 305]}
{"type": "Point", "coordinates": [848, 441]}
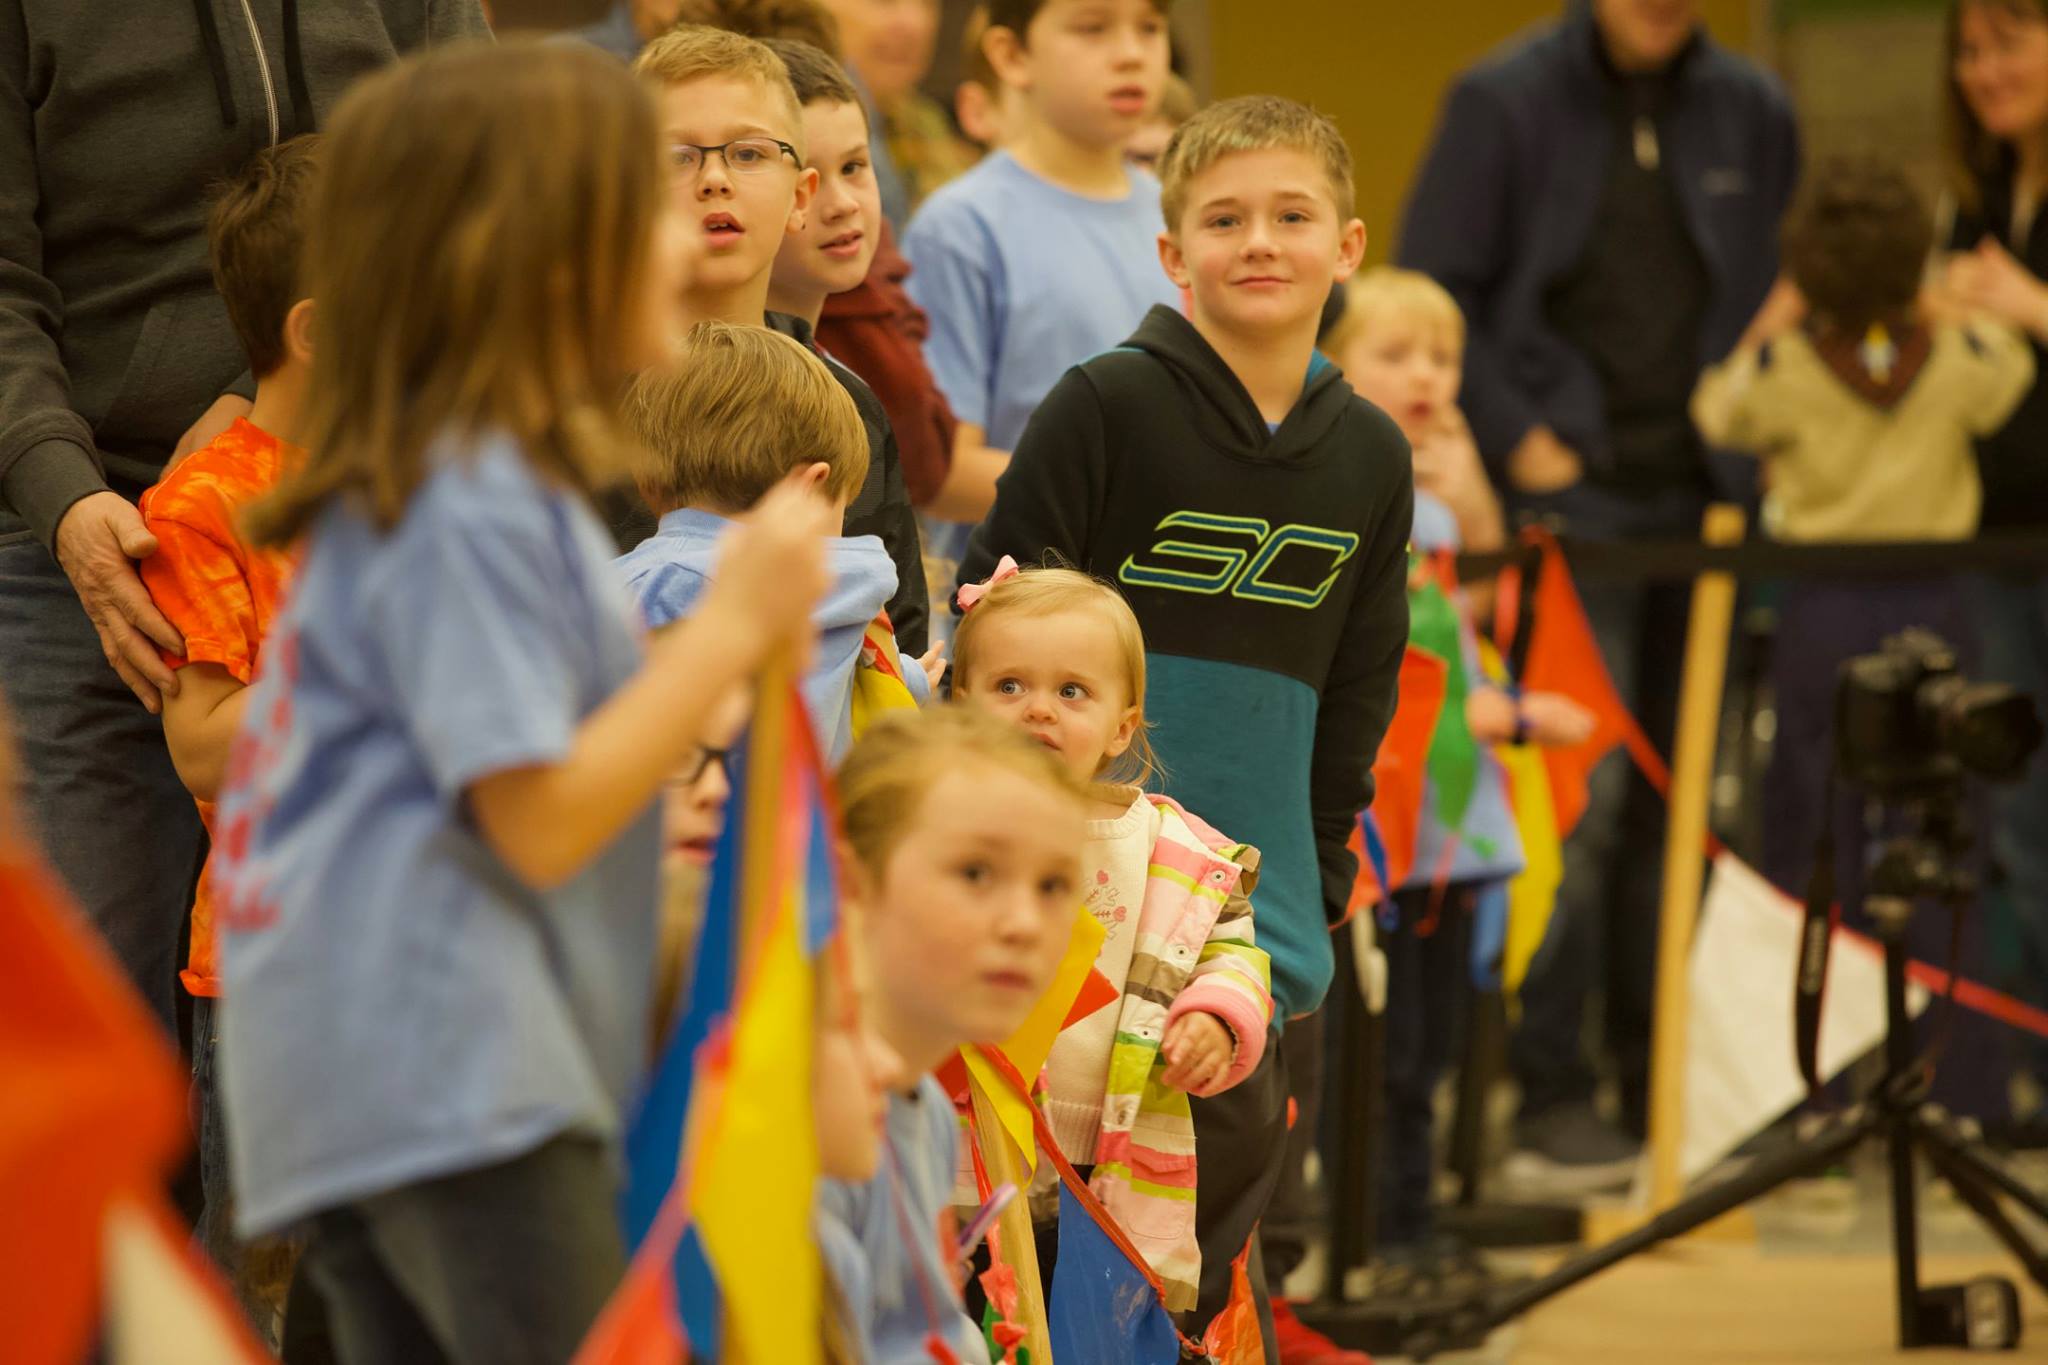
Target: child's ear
{"type": "Point", "coordinates": [1007, 56]}
{"type": "Point", "coordinates": [1126, 731]}
{"type": "Point", "coordinates": [800, 207]}
{"type": "Point", "coordinates": [813, 475]}
{"type": "Point", "coordinates": [298, 332]}
{"type": "Point", "coordinates": [1170, 257]}
{"type": "Point", "coordinates": [1350, 250]}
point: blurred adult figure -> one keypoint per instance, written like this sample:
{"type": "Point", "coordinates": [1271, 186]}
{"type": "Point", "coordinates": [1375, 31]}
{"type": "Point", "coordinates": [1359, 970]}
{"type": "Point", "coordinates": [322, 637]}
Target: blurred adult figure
{"type": "Point", "coordinates": [112, 344]}
{"type": "Point", "coordinates": [1603, 199]}
{"type": "Point", "coordinates": [1997, 154]}
{"type": "Point", "coordinates": [889, 45]}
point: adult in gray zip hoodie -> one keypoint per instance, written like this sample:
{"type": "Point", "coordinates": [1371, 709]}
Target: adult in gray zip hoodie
{"type": "Point", "coordinates": [114, 123]}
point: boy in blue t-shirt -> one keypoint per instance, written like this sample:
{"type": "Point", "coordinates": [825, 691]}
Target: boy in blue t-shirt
{"type": "Point", "coordinates": [1046, 253]}
{"type": "Point", "coordinates": [739, 410]}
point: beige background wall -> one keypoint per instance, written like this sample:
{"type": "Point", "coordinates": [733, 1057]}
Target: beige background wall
{"type": "Point", "coordinates": [1379, 67]}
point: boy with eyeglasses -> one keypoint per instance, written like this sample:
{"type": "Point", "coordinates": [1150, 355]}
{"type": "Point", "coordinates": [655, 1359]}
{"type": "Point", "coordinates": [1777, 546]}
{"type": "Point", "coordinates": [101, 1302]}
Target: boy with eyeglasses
{"type": "Point", "coordinates": [742, 187]}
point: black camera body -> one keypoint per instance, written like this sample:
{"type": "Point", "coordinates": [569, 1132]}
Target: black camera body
{"type": "Point", "coordinates": [1907, 723]}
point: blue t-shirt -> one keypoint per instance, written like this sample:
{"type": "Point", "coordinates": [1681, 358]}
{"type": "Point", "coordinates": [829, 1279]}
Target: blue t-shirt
{"type": "Point", "coordinates": [892, 1288]}
{"type": "Point", "coordinates": [667, 572]}
{"type": "Point", "coordinates": [1023, 279]}
{"type": "Point", "coordinates": [400, 1005]}
{"type": "Point", "coordinates": [1488, 847]}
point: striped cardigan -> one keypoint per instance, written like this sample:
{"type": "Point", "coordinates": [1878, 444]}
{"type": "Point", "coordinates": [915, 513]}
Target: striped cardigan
{"type": "Point", "coordinates": [1194, 951]}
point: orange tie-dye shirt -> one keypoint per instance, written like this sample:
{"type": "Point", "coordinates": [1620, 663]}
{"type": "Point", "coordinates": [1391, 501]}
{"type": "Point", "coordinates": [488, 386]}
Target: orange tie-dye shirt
{"type": "Point", "coordinates": [218, 592]}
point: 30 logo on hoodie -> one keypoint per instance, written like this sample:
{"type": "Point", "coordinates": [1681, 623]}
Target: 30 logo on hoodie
{"type": "Point", "coordinates": [1207, 553]}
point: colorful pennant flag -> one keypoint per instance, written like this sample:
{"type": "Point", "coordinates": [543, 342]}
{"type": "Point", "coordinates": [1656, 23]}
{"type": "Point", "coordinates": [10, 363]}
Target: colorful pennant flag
{"type": "Point", "coordinates": [1031, 1044]}
{"type": "Point", "coordinates": [1565, 657]}
{"type": "Point", "coordinates": [1103, 1308]}
{"type": "Point", "coordinates": [724, 1142]}
{"type": "Point", "coordinates": [94, 1111]}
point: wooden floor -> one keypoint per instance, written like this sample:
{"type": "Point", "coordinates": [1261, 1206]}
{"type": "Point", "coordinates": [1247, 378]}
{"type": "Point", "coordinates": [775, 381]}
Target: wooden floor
{"type": "Point", "coordinates": [1706, 1304]}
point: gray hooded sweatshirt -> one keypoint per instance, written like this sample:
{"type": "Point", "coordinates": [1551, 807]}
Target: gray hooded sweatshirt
{"type": "Point", "coordinates": [115, 121]}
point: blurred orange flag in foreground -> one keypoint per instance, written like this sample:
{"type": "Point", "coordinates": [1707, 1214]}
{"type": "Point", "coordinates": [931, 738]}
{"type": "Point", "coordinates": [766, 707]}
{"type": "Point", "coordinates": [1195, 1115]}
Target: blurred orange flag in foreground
{"type": "Point", "coordinates": [94, 1111]}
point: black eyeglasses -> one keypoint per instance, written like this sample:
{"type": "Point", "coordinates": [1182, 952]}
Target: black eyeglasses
{"type": "Point", "coordinates": [706, 756]}
{"type": "Point", "coordinates": [742, 155]}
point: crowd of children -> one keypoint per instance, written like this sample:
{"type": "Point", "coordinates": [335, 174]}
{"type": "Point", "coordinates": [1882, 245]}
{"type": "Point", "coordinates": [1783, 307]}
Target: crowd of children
{"type": "Point", "coordinates": [555, 445]}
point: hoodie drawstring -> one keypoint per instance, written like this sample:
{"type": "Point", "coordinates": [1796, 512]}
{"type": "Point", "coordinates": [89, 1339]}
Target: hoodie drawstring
{"type": "Point", "coordinates": [216, 60]}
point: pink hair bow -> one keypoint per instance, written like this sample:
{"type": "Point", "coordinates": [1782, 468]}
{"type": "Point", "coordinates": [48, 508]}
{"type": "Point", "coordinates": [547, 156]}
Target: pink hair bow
{"type": "Point", "coordinates": [971, 593]}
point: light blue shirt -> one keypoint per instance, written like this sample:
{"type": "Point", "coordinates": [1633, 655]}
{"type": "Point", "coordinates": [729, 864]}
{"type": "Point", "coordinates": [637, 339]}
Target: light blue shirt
{"type": "Point", "coordinates": [669, 571]}
{"type": "Point", "coordinates": [399, 1005]}
{"type": "Point", "coordinates": [1023, 279]}
{"type": "Point", "coordinates": [893, 1288]}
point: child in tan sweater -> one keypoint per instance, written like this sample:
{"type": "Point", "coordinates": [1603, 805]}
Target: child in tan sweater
{"type": "Point", "coordinates": [1863, 406]}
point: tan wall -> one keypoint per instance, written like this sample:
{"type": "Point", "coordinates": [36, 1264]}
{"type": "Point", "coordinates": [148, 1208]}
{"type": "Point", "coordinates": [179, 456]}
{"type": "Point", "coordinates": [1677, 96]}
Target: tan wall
{"type": "Point", "coordinates": [1380, 67]}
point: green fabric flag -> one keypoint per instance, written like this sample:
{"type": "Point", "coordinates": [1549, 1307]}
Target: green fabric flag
{"type": "Point", "coordinates": [1453, 762]}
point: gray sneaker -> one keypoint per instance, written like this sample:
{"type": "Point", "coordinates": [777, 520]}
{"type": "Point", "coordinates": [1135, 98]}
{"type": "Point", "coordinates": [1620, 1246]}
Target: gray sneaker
{"type": "Point", "coordinates": [1566, 1153]}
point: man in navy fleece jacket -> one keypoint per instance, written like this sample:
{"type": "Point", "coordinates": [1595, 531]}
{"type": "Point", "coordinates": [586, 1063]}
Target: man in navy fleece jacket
{"type": "Point", "coordinates": [1603, 199]}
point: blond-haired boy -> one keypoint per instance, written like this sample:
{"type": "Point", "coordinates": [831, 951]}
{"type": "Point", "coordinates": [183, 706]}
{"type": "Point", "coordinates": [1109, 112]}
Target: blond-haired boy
{"type": "Point", "coordinates": [742, 187]}
{"type": "Point", "coordinates": [740, 410]}
{"type": "Point", "coordinates": [1255, 513]}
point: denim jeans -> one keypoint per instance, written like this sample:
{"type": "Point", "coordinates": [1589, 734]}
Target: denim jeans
{"type": "Point", "coordinates": [1602, 939]}
{"type": "Point", "coordinates": [99, 790]}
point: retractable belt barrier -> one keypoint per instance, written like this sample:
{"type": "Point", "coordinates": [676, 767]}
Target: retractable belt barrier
{"type": "Point", "coordinates": [2013, 554]}
{"type": "Point", "coordinates": [2007, 554]}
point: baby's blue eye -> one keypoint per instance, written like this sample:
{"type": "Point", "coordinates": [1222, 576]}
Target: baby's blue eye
{"type": "Point", "coordinates": [1009, 687]}
{"type": "Point", "coordinates": [1073, 692]}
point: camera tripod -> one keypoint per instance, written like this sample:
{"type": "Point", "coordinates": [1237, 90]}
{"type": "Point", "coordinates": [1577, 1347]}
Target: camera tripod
{"type": "Point", "coordinates": [1983, 1314]}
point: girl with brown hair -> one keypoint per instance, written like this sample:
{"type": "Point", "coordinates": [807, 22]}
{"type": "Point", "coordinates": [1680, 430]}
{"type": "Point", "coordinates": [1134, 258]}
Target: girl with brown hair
{"type": "Point", "coordinates": [439, 841]}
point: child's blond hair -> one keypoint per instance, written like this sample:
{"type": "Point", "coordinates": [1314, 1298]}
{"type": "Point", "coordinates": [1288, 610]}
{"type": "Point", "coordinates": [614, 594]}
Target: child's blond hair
{"type": "Point", "coordinates": [737, 410]}
{"type": "Point", "coordinates": [1386, 293]}
{"type": "Point", "coordinates": [1250, 123]}
{"type": "Point", "coordinates": [1053, 592]}
{"type": "Point", "coordinates": [695, 52]}
{"type": "Point", "coordinates": [883, 782]}
{"type": "Point", "coordinates": [482, 221]}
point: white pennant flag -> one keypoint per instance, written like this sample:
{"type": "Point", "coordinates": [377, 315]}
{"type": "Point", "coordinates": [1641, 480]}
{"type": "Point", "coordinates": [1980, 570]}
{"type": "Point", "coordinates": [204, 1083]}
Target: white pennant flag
{"type": "Point", "coordinates": [1741, 1073]}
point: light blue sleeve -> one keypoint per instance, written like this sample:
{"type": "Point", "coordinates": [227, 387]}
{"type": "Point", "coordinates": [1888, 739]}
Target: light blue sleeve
{"type": "Point", "coordinates": [480, 646]}
{"type": "Point", "coordinates": [956, 277]}
{"type": "Point", "coordinates": [665, 594]}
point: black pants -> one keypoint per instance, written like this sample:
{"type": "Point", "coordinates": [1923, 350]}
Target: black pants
{"type": "Point", "coordinates": [505, 1265]}
{"type": "Point", "coordinates": [1428, 974]}
{"type": "Point", "coordinates": [1240, 1148]}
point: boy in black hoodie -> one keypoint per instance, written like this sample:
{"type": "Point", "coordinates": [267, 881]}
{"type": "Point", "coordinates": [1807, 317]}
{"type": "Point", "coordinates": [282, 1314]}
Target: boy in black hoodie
{"type": "Point", "coordinates": [1256, 513]}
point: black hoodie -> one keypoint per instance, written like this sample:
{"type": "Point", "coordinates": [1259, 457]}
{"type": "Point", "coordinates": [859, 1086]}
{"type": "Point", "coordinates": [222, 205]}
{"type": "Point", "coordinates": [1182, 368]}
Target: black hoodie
{"type": "Point", "coordinates": [1269, 572]}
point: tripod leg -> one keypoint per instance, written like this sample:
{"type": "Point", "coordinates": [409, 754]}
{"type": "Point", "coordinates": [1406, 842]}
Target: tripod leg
{"type": "Point", "coordinates": [1898, 1055]}
{"type": "Point", "coordinates": [1814, 1155]}
{"type": "Point", "coordinates": [1938, 1130]}
{"type": "Point", "coordinates": [1964, 1179]}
